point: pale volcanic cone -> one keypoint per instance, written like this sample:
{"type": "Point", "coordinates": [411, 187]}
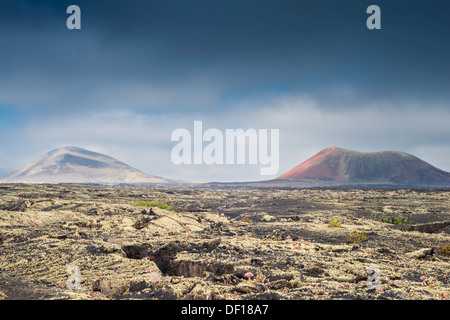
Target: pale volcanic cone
{"type": "Point", "coordinates": [77, 165]}
{"type": "Point", "coordinates": [346, 167]}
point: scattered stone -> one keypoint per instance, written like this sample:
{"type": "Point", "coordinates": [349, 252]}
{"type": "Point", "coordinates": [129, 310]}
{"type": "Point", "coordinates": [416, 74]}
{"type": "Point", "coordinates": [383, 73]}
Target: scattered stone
{"type": "Point", "coordinates": [143, 222]}
{"type": "Point", "coordinates": [420, 254]}
{"type": "Point", "coordinates": [429, 227]}
{"type": "Point", "coordinates": [20, 205]}
{"type": "Point", "coordinates": [314, 270]}
{"type": "Point", "coordinates": [137, 251]}
{"type": "Point", "coordinates": [275, 235]}
{"type": "Point", "coordinates": [108, 248]}
{"type": "Point", "coordinates": [340, 249]}
{"type": "Point", "coordinates": [283, 283]}
{"type": "Point", "coordinates": [171, 248]}
{"type": "Point", "coordinates": [246, 287]}
{"type": "Point", "coordinates": [264, 296]}
{"type": "Point", "coordinates": [200, 292]}
{"type": "Point", "coordinates": [384, 250]}
{"type": "Point", "coordinates": [268, 218]}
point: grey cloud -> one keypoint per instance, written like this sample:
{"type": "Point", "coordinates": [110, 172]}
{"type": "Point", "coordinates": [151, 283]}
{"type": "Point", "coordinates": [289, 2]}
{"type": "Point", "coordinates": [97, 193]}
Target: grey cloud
{"type": "Point", "coordinates": [139, 69]}
{"type": "Point", "coordinates": [235, 48]}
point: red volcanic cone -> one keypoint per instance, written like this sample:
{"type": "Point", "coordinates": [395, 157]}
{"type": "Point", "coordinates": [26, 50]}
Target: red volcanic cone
{"type": "Point", "coordinates": [352, 167]}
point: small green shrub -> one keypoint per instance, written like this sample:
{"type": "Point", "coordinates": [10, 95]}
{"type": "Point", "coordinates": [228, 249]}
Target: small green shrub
{"type": "Point", "coordinates": [150, 204]}
{"type": "Point", "coordinates": [357, 237]}
{"type": "Point", "coordinates": [445, 250]}
{"type": "Point", "coordinates": [397, 221]}
{"type": "Point", "coordinates": [400, 220]}
{"type": "Point", "coordinates": [387, 220]}
{"type": "Point", "coordinates": [334, 224]}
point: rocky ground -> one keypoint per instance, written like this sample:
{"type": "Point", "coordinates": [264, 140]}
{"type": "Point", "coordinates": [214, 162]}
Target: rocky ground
{"type": "Point", "coordinates": [222, 244]}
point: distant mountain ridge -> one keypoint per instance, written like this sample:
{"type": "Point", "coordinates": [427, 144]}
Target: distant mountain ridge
{"type": "Point", "coordinates": [331, 167]}
{"type": "Point", "coordinates": [337, 166]}
{"type": "Point", "coordinates": [77, 165]}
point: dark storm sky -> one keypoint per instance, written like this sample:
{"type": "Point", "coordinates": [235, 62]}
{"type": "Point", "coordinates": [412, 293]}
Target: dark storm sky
{"type": "Point", "coordinates": [137, 70]}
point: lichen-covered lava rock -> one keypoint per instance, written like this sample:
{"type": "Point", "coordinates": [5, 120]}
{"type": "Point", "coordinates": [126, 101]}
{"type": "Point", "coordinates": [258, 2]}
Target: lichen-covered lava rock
{"type": "Point", "coordinates": [222, 244]}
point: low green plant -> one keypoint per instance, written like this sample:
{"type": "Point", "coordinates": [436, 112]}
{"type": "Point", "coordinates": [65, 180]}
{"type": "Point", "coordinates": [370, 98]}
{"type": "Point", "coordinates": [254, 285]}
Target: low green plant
{"type": "Point", "coordinates": [400, 220]}
{"type": "Point", "coordinates": [397, 221]}
{"type": "Point", "coordinates": [375, 210]}
{"type": "Point", "coordinates": [445, 250]}
{"type": "Point", "coordinates": [334, 224]}
{"type": "Point", "coordinates": [387, 220]}
{"type": "Point", "coordinates": [150, 204]}
{"type": "Point", "coordinates": [357, 237]}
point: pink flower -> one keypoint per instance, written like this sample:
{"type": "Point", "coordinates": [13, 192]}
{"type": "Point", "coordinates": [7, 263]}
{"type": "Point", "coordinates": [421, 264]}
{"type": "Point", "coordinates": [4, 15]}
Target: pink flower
{"type": "Point", "coordinates": [423, 278]}
{"type": "Point", "coordinates": [248, 275]}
